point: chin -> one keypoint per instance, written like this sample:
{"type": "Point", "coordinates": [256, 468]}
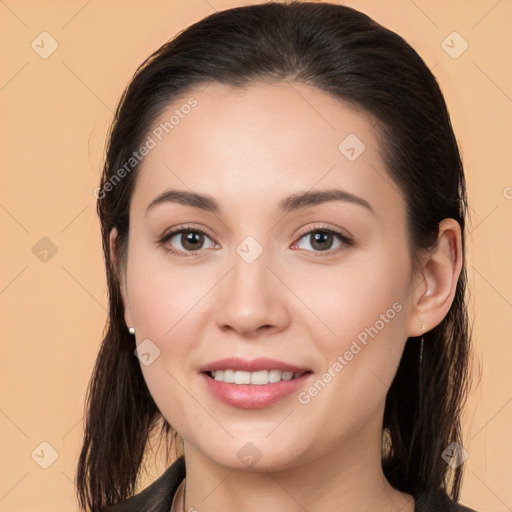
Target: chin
{"type": "Point", "coordinates": [252, 456]}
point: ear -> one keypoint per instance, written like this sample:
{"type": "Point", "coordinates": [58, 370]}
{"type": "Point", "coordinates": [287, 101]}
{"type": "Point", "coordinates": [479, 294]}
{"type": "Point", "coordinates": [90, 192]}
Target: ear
{"type": "Point", "coordinates": [121, 276]}
{"type": "Point", "coordinates": [435, 288]}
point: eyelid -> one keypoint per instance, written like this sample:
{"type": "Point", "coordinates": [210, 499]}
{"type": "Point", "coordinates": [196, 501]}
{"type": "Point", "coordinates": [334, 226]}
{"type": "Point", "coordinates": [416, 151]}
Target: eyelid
{"type": "Point", "coordinates": [184, 227]}
{"type": "Point", "coordinates": [324, 227]}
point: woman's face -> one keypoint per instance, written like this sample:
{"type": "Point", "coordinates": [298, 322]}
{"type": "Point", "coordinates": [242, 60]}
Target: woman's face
{"type": "Point", "coordinates": [270, 277]}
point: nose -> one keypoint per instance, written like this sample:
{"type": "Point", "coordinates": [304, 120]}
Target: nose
{"type": "Point", "coordinates": [251, 298]}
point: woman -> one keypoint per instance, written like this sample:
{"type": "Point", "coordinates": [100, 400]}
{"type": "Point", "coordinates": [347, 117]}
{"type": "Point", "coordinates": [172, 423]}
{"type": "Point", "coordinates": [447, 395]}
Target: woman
{"type": "Point", "coordinates": [283, 208]}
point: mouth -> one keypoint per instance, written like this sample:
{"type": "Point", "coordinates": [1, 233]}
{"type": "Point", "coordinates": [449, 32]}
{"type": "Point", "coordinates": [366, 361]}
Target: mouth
{"type": "Point", "coordinates": [253, 390]}
{"type": "Point", "coordinates": [253, 383]}
{"type": "Point", "coordinates": [259, 372]}
{"type": "Point", "coordinates": [257, 378]}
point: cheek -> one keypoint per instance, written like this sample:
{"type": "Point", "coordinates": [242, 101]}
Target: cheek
{"type": "Point", "coordinates": [363, 313]}
{"type": "Point", "coordinates": [345, 300]}
{"type": "Point", "coordinates": [166, 308]}
{"type": "Point", "coordinates": [164, 297]}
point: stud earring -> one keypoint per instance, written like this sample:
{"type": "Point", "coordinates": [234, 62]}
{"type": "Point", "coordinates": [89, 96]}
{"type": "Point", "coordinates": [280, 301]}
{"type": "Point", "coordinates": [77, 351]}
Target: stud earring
{"type": "Point", "coordinates": [131, 330]}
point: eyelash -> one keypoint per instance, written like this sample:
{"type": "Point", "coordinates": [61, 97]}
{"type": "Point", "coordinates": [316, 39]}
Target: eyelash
{"type": "Point", "coordinates": [345, 240]}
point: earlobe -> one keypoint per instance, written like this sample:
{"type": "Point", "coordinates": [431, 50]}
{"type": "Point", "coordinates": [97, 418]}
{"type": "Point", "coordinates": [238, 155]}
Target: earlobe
{"type": "Point", "coordinates": [114, 255]}
{"type": "Point", "coordinates": [441, 271]}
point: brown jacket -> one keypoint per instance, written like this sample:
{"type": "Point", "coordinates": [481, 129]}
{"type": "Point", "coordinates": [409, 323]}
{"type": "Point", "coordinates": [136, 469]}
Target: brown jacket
{"type": "Point", "coordinates": [158, 496]}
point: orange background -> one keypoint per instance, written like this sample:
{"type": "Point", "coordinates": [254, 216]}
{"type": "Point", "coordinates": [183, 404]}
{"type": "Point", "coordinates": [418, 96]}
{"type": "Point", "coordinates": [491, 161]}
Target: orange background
{"type": "Point", "coordinates": [56, 112]}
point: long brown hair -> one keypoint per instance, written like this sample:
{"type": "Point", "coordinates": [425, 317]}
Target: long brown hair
{"type": "Point", "coordinates": [345, 53]}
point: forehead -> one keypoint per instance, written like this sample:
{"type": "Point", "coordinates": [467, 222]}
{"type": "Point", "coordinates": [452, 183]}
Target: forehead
{"type": "Point", "coordinates": [263, 142]}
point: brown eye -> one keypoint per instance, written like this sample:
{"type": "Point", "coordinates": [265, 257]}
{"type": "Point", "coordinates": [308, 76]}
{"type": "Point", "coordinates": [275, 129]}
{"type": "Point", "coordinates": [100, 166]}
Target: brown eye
{"type": "Point", "coordinates": [185, 240]}
{"type": "Point", "coordinates": [191, 240]}
{"type": "Point", "coordinates": [322, 239]}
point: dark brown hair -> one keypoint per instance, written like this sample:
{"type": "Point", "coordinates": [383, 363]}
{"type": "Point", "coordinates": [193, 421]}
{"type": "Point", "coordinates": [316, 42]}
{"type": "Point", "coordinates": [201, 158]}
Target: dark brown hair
{"type": "Point", "coordinates": [345, 53]}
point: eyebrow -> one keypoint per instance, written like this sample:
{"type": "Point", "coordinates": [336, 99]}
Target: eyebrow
{"type": "Point", "coordinates": [289, 204]}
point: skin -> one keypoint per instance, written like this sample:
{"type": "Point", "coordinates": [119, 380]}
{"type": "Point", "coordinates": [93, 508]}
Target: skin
{"type": "Point", "coordinates": [250, 148]}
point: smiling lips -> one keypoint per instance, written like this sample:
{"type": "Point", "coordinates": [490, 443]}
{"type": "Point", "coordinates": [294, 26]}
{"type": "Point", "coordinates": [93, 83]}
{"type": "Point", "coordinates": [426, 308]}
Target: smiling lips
{"type": "Point", "coordinates": [255, 365]}
{"type": "Point", "coordinates": [258, 378]}
{"type": "Point", "coordinates": [252, 384]}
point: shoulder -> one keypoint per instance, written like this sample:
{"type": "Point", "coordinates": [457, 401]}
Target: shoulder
{"type": "Point", "coordinates": [438, 501]}
{"type": "Point", "coordinates": [157, 497]}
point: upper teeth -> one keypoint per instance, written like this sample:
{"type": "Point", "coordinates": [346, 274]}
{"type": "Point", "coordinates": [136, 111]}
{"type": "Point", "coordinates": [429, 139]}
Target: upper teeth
{"type": "Point", "coordinates": [261, 377]}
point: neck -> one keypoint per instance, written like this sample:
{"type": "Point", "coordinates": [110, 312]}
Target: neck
{"type": "Point", "coordinates": [348, 478]}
